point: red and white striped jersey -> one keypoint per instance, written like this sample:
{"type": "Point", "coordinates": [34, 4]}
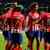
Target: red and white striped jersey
{"type": "Point", "coordinates": [8, 14]}
{"type": "Point", "coordinates": [32, 24]}
{"type": "Point", "coordinates": [36, 27]}
{"type": "Point", "coordinates": [34, 15]}
{"type": "Point", "coordinates": [20, 20]}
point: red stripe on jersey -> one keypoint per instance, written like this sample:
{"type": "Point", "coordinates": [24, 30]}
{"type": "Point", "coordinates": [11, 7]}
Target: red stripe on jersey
{"type": "Point", "coordinates": [20, 20]}
{"type": "Point", "coordinates": [8, 14]}
{"type": "Point", "coordinates": [32, 16]}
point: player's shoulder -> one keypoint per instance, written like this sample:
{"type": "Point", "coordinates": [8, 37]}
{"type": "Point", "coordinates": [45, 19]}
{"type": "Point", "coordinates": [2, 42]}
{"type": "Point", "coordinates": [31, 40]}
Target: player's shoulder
{"type": "Point", "coordinates": [22, 16]}
{"type": "Point", "coordinates": [29, 14]}
{"type": "Point", "coordinates": [16, 13]}
{"type": "Point", "coordinates": [44, 14]}
{"type": "Point", "coordinates": [34, 13]}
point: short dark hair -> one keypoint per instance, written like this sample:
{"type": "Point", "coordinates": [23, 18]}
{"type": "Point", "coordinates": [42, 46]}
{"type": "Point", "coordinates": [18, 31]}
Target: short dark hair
{"type": "Point", "coordinates": [33, 6]}
{"type": "Point", "coordinates": [17, 9]}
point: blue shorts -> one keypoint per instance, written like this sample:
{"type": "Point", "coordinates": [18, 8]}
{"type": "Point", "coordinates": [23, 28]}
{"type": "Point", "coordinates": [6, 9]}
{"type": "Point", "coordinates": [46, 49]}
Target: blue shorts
{"type": "Point", "coordinates": [41, 35]}
{"type": "Point", "coordinates": [7, 35]}
{"type": "Point", "coordinates": [17, 38]}
{"type": "Point", "coordinates": [32, 34]}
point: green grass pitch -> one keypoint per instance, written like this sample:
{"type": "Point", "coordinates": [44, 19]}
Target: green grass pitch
{"type": "Point", "coordinates": [24, 43]}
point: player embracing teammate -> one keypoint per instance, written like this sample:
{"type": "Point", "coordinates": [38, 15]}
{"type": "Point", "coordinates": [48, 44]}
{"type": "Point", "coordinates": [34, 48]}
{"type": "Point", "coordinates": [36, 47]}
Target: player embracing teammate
{"type": "Point", "coordinates": [18, 31]}
{"type": "Point", "coordinates": [13, 29]}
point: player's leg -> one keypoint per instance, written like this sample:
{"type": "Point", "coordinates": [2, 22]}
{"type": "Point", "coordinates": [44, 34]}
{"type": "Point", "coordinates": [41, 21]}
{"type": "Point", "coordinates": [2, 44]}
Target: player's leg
{"type": "Point", "coordinates": [12, 45]}
{"type": "Point", "coordinates": [27, 35]}
{"type": "Point", "coordinates": [45, 45]}
{"type": "Point", "coordinates": [17, 40]}
{"type": "Point", "coordinates": [48, 40]}
{"type": "Point", "coordinates": [8, 45]}
{"type": "Point", "coordinates": [6, 38]}
{"type": "Point", "coordinates": [30, 39]}
{"type": "Point", "coordinates": [9, 39]}
{"type": "Point", "coordinates": [45, 40]}
{"type": "Point", "coordinates": [48, 46]}
{"type": "Point", "coordinates": [13, 42]}
{"type": "Point", "coordinates": [40, 36]}
{"type": "Point", "coordinates": [36, 35]}
{"type": "Point", "coordinates": [20, 37]}
{"type": "Point", "coordinates": [30, 43]}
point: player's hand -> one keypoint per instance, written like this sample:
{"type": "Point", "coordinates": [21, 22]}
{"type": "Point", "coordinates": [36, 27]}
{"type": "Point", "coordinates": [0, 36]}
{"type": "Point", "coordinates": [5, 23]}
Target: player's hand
{"type": "Point", "coordinates": [1, 32]}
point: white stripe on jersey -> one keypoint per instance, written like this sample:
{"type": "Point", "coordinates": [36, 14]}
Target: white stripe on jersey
{"type": "Point", "coordinates": [20, 31]}
{"type": "Point", "coordinates": [35, 27]}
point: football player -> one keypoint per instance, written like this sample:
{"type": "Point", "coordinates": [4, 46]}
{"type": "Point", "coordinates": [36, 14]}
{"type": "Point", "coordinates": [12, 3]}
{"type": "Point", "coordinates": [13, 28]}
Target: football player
{"type": "Point", "coordinates": [44, 24]}
{"type": "Point", "coordinates": [32, 25]}
{"type": "Point", "coordinates": [18, 27]}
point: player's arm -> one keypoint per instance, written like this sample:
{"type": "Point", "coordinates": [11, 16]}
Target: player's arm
{"type": "Point", "coordinates": [1, 29]}
{"type": "Point", "coordinates": [1, 32]}
{"type": "Point", "coordinates": [26, 23]}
